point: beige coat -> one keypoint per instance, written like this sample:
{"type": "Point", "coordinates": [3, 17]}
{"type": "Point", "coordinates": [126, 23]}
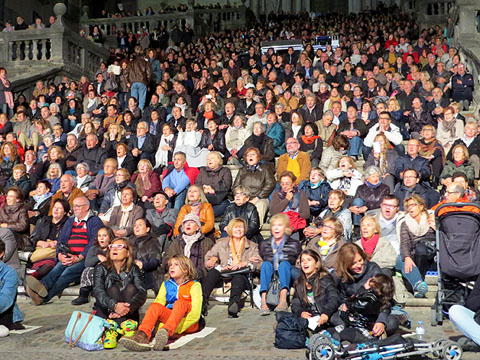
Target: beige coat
{"type": "Point", "coordinates": [221, 250]}
{"type": "Point", "coordinates": [384, 254]}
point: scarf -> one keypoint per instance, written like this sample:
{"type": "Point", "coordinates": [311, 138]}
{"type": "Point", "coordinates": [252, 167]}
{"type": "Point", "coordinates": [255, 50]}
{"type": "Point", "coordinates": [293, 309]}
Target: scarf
{"type": "Point", "coordinates": [257, 141]}
{"type": "Point", "coordinates": [143, 184]}
{"type": "Point", "coordinates": [40, 198]}
{"type": "Point", "coordinates": [8, 94]}
{"type": "Point", "coordinates": [294, 204]}
{"type": "Point", "coordinates": [277, 251]}
{"type": "Point", "coordinates": [458, 163]}
{"type": "Point", "coordinates": [161, 157]}
{"type": "Point", "coordinates": [208, 115]}
{"type": "Point", "coordinates": [428, 148]}
{"type": "Point", "coordinates": [417, 229]}
{"type": "Point", "coordinates": [253, 168]}
{"type": "Point", "coordinates": [370, 185]}
{"type": "Point", "coordinates": [309, 140]}
{"type": "Point", "coordinates": [370, 245]}
{"type": "Point", "coordinates": [449, 127]}
{"type": "Point", "coordinates": [237, 253]}
{"type": "Point", "coordinates": [125, 213]}
{"type": "Point", "coordinates": [189, 241]}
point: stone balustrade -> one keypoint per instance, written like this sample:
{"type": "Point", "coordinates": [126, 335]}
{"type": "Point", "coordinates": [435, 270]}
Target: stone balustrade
{"type": "Point", "coordinates": [433, 12]}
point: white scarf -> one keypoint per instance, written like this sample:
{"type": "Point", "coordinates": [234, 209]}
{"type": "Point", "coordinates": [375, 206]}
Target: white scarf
{"type": "Point", "coordinates": [161, 157]}
{"type": "Point", "coordinates": [125, 213]}
{"type": "Point", "coordinates": [417, 229]}
{"type": "Point", "coordinates": [182, 107]}
{"type": "Point", "coordinates": [189, 241]}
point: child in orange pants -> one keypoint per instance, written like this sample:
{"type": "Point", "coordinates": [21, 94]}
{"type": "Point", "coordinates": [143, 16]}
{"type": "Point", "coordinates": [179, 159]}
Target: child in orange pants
{"type": "Point", "coordinates": [177, 307]}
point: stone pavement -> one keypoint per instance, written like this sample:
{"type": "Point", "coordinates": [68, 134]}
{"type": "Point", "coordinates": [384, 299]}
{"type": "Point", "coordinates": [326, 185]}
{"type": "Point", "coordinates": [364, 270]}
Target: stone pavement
{"type": "Point", "coordinates": [248, 337]}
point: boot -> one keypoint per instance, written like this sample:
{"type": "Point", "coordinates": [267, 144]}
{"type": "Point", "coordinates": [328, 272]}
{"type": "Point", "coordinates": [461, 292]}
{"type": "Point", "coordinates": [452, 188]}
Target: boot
{"type": "Point", "coordinates": [233, 308]}
{"type": "Point", "coordinates": [137, 342]}
{"type": "Point", "coordinates": [83, 296]}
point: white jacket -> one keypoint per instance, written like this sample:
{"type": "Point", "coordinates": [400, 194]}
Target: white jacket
{"type": "Point", "coordinates": [394, 135]}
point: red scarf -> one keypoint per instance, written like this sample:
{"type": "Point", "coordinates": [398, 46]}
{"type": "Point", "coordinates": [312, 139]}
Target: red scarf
{"type": "Point", "coordinates": [458, 163]}
{"type": "Point", "coordinates": [208, 115]}
{"type": "Point", "coordinates": [309, 140]}
{"type": "Point", "coordinates": [370, 245]}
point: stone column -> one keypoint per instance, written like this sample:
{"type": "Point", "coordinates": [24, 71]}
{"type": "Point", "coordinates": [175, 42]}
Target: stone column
{"type": "Point", "coordinates": [467, 21]}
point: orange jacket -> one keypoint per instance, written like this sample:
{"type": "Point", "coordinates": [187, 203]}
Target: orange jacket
{"type": "Point", "coordinates": [448, 209]}
{"type": "Point", "coordinates": [206, 217]}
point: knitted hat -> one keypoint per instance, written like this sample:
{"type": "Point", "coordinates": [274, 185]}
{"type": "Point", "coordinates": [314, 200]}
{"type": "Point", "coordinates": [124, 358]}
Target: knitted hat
{"type": "Point", "coordinates": [192, 217]}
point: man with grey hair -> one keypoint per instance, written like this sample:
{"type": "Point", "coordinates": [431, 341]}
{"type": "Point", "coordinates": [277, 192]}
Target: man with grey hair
{"type": "Point", "coordinates": [311, 111]}
{"type": "Point", "coordinates": [143, 145]}
{"type": "Point", "coordinates": [462, 87]}
{"type": "Point", "coordinates": [455, 193]}
{"type": "Point", "coordinates": [67, 191]}
{"type": "Point", "coordinates": [93, 154]}
{"type": "Point", "coordinates": [258, 116]}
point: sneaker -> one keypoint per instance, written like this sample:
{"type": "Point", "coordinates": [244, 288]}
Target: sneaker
{"type": "Point", "coordinates": [420, 289]}
{"type": "Point", "coordinates": [127, 328]}
{"type": "Point", "coordinates": [110, 341]}
{"type": "Point", "coordinates": [137, 342]}
{"type": "Point", "coordinates": [161, 339]}
{"type": "Point", "coordinates": [35, 285]}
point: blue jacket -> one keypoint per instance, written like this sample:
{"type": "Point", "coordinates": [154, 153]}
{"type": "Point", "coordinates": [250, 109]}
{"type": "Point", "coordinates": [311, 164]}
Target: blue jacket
{"type": "Point", "coordinates": [320, 193]}
{"type": "Point", "coordinates": [277, 134]}
{"type": "Point", "coordinates": [8, 286]}
{"type": "Point", "coordinates": [420, 164]}
{"type": "Point", "coordinates": [93, 225]}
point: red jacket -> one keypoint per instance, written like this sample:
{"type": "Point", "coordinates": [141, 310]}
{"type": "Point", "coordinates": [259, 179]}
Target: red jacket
{"type": "Point", "coordinates": [191, 172]}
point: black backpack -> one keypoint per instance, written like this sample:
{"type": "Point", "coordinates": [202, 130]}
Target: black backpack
{"type": "Point", "coordinates": [291, 331]}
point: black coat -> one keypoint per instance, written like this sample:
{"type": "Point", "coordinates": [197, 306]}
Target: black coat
{"type": "Point", "coordinates": [473, 148]}
{"type": "Point", "coordinates": [417, 124]}
{"type": "Point", "coordinates": [45, 229]}
{"type": "Point", "coordinates": [420, 164]}
{"type": "Point", "coordinates": [130, 163]}
{"type": "Point", "coordinates": [267, 149]}
{"type": "Point", "coordinates": [311, 116]}
{"type": "Point", "coordinates": [243, 109]}
{"type": "Point", "coordinates": [148, 146]}
{"type": "Point", "coordinates": [247, 212]}
{"type": "Point", "coordinates": [372, 196]}
{"type": "Point", "coordinates": [358, 125]}
{"type": "Point", "coordinates": [94, 157]}
{"type": "Point", "coordinates": [291, 250]}
{"type": "Point", "coordinates": [430, 196]}
{"type": "Point", "coordinates": [218, 142]}
{"type": "Point", "coordinates": [147, 250]}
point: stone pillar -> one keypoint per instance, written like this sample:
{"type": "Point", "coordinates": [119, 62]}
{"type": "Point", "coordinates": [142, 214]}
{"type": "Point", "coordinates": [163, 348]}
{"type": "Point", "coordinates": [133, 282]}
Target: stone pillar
{"type": "Point", "coordinates": [254, 6]}
{"type": "Point", "coordinates": [467, 21]}
{"type": "Point", "coordinates": [298, 6]}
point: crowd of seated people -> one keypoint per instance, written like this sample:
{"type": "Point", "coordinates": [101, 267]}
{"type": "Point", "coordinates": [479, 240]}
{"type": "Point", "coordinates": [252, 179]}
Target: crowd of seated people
{"type": "Point", "coordinates": [173, 177]}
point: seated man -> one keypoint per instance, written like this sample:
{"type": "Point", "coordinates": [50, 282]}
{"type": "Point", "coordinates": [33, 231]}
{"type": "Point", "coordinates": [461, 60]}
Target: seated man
{"type": "Point", "coordinates": [10, 315]}
{"type": "Point", "coordinates": [354, 129]}
{"type": "Point", "coordinates": [162, 219]}
{"type": "Point", "coordinates": [391, 131]}
{"type": "Point", "coordinates": [411, 185]}
{"type": "Point", "coordinates": [92, 154]}
{"type": "Point", "coordinates": [455, 193]}
{"type": "Point", "coordinates": [470, 192]}
{"type": "Point", "coordinates": [76, 237]}
{"type": "Point", "coordinates": [462, 87]}
{"type": "Point", "coordinates": [296, 161]}
{"type": "Point", "coordinates": [67, 191]}
{"type": "Point", "coordinates": [177, 179]}
{"type": "Point", "coordinates": [96, 191]}
{"type": "Point", "coordinates": [412, 160]}
{"type": "Point", "coordinates": [143, 144]}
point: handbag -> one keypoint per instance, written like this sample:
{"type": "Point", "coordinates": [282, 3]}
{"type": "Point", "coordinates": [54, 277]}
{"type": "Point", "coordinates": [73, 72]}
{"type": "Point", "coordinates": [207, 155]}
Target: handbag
{"type": "Point", "coordinates": [273, 291]}
{"type": "Point", "coordinates": [291, 331]}
{"type": "Point", "coordinates": [43, 254]}
{"type": "Point", "coordinates": [85, 331]}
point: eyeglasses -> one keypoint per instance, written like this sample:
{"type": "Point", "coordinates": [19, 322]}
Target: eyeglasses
{"type": "Point", "coordinates": [328, 227]}
{"type": "Point", "coordinates": [388, 206]}
{"type": "Point", "coordinates": [79, 206]}
{"type": "Point", "coordinates": [116, 246]}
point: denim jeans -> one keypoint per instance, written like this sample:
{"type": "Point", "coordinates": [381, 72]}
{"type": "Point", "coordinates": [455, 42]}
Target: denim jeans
{"type": "Point", "coordinates": [219, 209]}
{"type": "Point", "coordinates": [68, 125]}
{"type": "Point", "coordinates": [60, 277]}
{"type": "Point", "coordinates": [356, 218]}
{"type": "Point", "coordinates": [266, 273]}
{"type": "Point", "coordinates": [413, 277]}
{"type": "Point", "coordinates": [463, 319]}
{"type": "Point", "coordinates": [139, 92]}
{"type": "Point", "coordinates": [356, 144]}
{"type": "Point", "coordinates": [180, 199]}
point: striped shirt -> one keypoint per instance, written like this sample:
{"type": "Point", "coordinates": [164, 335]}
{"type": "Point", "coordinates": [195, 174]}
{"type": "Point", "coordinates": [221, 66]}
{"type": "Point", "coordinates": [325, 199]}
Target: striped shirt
{"type": "Point", "coordinates": [78, 238]}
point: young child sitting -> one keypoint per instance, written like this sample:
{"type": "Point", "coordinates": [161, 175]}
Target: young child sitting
{"type": "Point", "coordinates": [362, 314]}
{"type": "Point", "coordinates": [177, 307]}
{"type": "Point", "coordinates": [317, 189]}
{"type": "Point", "coordinates": [315, 290]}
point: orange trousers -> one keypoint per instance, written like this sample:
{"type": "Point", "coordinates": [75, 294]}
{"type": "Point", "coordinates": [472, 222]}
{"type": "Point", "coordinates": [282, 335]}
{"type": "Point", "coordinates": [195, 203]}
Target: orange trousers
{"type": "Point", "coordinates": [170, 318]}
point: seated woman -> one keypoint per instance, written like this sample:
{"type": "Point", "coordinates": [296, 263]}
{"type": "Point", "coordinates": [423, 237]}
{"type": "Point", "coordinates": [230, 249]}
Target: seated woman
{"type": "Point", "coordinates": [231, 253]}
{"type": "Point", "coordinates": [188, 142]}
{"type": "Point", "coordinates": [124, 215]}
{"type": "Point", "coordinates": [40, 199]}
{"type": "Point", "coordinates": [449, 129]}
{"type": "Point", "coordinates": [259, 140]}
{"type": "Point", "coordinates": [353, 270]}
{"type": "Point", "coordinates": [54, 156]}
{"type": "Point", "coordinates": [196, 203]}
{"type": "Point", "coordinates": [332, 154]}
{"type": "Point", "coordinates": [213, 139]}
{"type": "Point", "coordinates": [8, 159]}
{"type": "Point", "coordinates": [242, 208]}
{"type": "Point", "coordinates": [44, 239]}
{"type": "Point", "coordinates": [191, 243]}
{"type": "Point", "coordinates": [458, 163]}
{"type": "Point", "coordinates": [147, 254]}
{"type": "Point", "coordinates": [294, 128]}
{"type": "Point", "coordinates": [275, 131]}
{"type": "Point", "coordinates": [291, 201]}
{"type": "Point", "coordinates": [311, 143]}
{"type": "Point", "coordinates": [20, 179]}
{"type": "Point", "coordinates": [336, 208]}
{"type": "Point", "coordinates": [315, 290]}
{"type": "Point", "coordinates": [345, 177]}
{"type": "Point", "coordinates": [124, 158]}
{"type": "Point", "coordinates": [164, 154]}
{"type": "Point", "coordinates": [235, 137]}
{"type": "Point", "coordinates": [95, 255]}
{"type": "Point", "coordinates": [112, 196]}
{"type": "Point", "coordinates": [83, 180]}
{"type": "Point", "coordinates": [327, 241]}
{"type": "Point", "coordinates": [417, 236]}
{"type": "Point", "coordinates": [147, 182]}
{"type": "Point", "coordinates": [114, 136]}
{"type": "Point", "coordinates": [432, 150]}
{"type": "Point", "coordinates": [118, 284]}
{"type": "Point", "coordinates": [177, 307]}
{"type": "Point", "coordinates": [206, 115]}
{"type": "Point", "coordinates": [378, 249]}
{"type": "Point", "coordinates": [216, 181]}
{"type": "Point", "coordinates": [14, 215]}
{"type": "Point", "coordinates": [369, 195]}
{"type": "Point", "coordinates": [279, 253]}
{"type": "Point", "coordinates": [317, 190]}
{"type": "Point", "coordinates": [53, 175]}
{"type": "Point", "coordinates": [162, 219]}
{"type": "Point", "coordinates": [383, 156]}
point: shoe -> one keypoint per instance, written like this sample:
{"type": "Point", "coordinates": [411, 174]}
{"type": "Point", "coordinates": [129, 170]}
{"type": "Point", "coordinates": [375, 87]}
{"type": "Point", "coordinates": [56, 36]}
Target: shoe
{"type": "Point", "coordinates": [161, 339]}
{"type": "Point", "coordinates": [110, 341]}
{"type": "Point", "coordinates": [281, 307]}
{"type": "Point", "coordinates": [233, 310]}
{"type": "Point", "coordinates": [137, 342]}
{"type": "Point", "coordinates": [36, 299]}
{"type": "Point", "coordinates": [35, 285]}
{"type": "Point", "coordinates": [468, 344]}
{"type": "Point", "coordinates": [264, 310]}
{"type": "Point", "coordinates": [4, 331]}
{"type": "Point", "coordinates": [17, 326]}
{"type": "Point", "coordinates": [420, 290]}
{"type": "Point", "coordinates": [82, 297]}
{"type": "Point", "coordinates": [127, 328]}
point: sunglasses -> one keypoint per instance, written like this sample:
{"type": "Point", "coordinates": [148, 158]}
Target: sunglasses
{"type": "Point", "coordinates": [116, 246]}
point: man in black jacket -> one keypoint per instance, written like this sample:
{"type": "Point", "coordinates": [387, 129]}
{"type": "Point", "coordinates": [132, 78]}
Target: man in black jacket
{"type": "Point", "coordinates": [93, 154]}
{"type": "Point", "coordinates": [143, 144]}
{"type": "Point", "coordinates": [418, 118]}
{"type": "Point", "coordinates": [411, 185]}
{"type": "Point", "coordinates": [412, 160]}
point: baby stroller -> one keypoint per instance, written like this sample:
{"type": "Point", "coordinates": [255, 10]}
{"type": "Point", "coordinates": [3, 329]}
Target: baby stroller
{"type": "Point", "coordinates": [323, 347]}
{"type": "Point", "coordinates": [458, 254]}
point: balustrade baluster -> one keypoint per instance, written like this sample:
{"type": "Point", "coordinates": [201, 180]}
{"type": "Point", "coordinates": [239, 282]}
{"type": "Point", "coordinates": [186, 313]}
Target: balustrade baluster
{"type": "Point", "coordinates": [12, 51]}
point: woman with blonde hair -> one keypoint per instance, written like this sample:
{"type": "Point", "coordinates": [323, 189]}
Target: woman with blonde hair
{"type": "Point", "coordinates": [53, 175]}
{"type": "Point", "coordinates": [459, 163]}
{"type": "Point", "coordinates": [432, 150]}
{"type": "Point", "coordinates": [147, 182]}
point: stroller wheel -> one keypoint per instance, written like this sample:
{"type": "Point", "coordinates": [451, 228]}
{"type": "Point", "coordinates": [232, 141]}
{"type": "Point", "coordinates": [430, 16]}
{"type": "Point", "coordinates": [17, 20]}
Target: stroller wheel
{"type": "Point", "coordinates": [438, 347]}
{"type": "Point", "coordinates": [322, 349]}
{"type": "Point", "coordinates": [452, 351]}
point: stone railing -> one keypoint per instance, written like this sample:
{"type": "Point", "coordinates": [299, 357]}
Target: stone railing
{"type": "Point", "coordinates": [433, 12]}
{"type": "Point", "coordinates": [201, 20]}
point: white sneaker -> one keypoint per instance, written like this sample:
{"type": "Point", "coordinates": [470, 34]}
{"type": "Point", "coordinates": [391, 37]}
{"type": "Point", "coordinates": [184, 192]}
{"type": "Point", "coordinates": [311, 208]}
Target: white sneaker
{"type": "Point", "coordinates": [4, 331]}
